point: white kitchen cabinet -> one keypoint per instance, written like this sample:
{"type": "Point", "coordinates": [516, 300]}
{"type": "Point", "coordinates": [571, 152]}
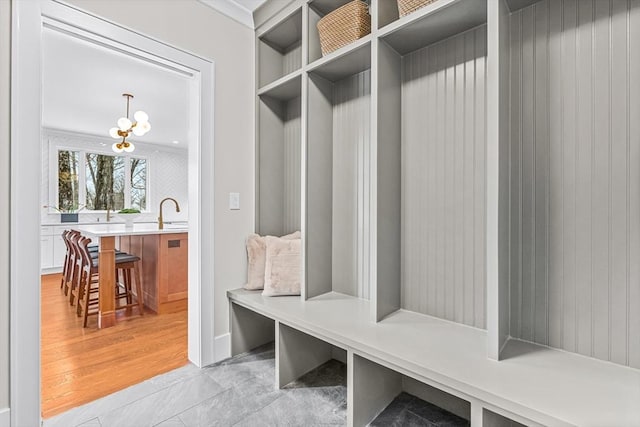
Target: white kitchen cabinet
{"type": "Point", "coordinates": [52, 248]}
{"type": "Point", "coordinates": [46, 252]}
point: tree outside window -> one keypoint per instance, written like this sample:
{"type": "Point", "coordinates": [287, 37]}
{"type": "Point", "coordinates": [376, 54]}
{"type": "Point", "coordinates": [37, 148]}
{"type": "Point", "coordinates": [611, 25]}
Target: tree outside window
{"type": "Point", "coordinates": [68, 180]}
{"type": "Point", "coordinates": [105, 180]}
{"type": "Point", "coordinates": [138, 184]}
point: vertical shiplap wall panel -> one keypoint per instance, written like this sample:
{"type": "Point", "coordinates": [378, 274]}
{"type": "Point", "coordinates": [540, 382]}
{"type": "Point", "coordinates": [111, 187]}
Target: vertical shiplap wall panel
{"type": "Point", "coordinates": [443, 191]}
{"type": "Point", "coordinates": [351, 126]}
{"type": "Point", "coordinates": [527, 93]}
{"type": "Point", "coordinates": [633, 295]}
{"type": "Point", "coordinates": [292, 59]}
{"type": "Point", "coordinates": [556, 158]}
{"type": "Point", "coordinates": [569, 143]}
{"type": "Point", "coordinates": [601, 188]}
{"type": "Point", "coordinates": [468, 210]}
{"type": "Point", "coordinates": [292, 162]}
{"type": "Point", "coordinates": [575, 177]}
{"type": "Point", "coordinates": [480, 159]}
{"type": "Point", "coordinates": [541, 164]}
{"type": "Point", "coordinates": [584, 167]}
{"type": "Point", "coordinates": [619, 184]}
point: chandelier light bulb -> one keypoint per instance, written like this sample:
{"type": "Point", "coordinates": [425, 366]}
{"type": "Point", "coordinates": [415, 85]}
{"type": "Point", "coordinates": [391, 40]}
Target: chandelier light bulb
{"type": "Point", "coordinates": [141, 116]}
{"type": "Point", "coordinates": [114, 133]}
{"type": "Point", "coordinates": [129, 147]}
{"type": "Point", "coordinates": [138, 130]}
{"type": "Point", "coordinates": [124, 124]}
{"type": "Point", "coordinates": [144, 127]}
{"type": "Point", "coordinates": [117, 147]}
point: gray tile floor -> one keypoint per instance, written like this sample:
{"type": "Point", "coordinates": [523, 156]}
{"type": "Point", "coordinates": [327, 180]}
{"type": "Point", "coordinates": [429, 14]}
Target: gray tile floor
{"type": "Point", "coordinates": [240, 392]}
{"type": "Point", "coordinates": [408, 410]}
{"type": "Point", "coordinates": [236, 392]}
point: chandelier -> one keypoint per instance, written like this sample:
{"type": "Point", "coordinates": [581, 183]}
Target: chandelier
{"type": "Point", "coordinates": [126, 127]}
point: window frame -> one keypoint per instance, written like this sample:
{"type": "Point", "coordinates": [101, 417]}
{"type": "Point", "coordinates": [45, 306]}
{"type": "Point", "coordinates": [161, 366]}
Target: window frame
{"type": "Point", "coordinates": [54, 149]}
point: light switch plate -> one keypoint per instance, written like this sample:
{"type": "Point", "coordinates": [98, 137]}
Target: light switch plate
{"type": "Point", "coordinates": [234, 201]}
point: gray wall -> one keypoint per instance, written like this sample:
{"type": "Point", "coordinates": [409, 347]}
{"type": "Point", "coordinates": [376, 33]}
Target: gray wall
{"type": "Point", "coordinates": [575, 140]}
{"type": "Point", "coordinates": [292, 58]}
{"type": "Point", "coordinates": [351, 127]}
{"type": "Point", "coordinates": [292, 163]}
{"type": "Point", "coordinates": [443, 179]}
{"type": "Point", "coordinates": [5, 65]}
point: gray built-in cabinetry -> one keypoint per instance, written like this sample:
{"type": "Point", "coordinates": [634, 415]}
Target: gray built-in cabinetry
{"type": "Point", "coordinates": [477, 161]}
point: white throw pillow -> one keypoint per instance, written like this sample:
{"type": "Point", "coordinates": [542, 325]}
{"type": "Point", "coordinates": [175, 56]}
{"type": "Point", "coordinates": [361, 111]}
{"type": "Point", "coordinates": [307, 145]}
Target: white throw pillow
{"type": "Point", "coordinates": [256, 257]}
{"type": "Point", "coordinates": [283, 266]}
{"type": "Point", "coordinates": [256, 253]}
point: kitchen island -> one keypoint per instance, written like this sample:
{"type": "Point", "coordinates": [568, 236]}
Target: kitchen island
{"type": "Point", "coordinates": [163, 256]}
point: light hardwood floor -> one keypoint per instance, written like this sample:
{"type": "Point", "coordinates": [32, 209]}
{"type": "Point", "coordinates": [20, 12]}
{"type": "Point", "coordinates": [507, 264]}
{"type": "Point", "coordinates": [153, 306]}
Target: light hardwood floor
{"type": "Point", "coordinates": [83, 364]}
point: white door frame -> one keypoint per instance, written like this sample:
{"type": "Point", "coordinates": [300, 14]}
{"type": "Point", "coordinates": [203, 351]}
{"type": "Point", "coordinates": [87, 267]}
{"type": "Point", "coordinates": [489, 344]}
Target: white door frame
{"type": "Point", "coordinates": [28, 18]}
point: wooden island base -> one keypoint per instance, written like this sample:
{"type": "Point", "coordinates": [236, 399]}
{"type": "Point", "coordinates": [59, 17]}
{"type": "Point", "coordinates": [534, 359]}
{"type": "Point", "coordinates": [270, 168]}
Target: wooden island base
{"type": "Point", "coordinates": [164, 269]}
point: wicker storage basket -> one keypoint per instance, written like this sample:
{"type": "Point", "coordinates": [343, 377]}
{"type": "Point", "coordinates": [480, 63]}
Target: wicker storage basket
{"type": "Point", "coordinates": [405, 7]}
{"type": "Point", "coordinates": [344, 25]}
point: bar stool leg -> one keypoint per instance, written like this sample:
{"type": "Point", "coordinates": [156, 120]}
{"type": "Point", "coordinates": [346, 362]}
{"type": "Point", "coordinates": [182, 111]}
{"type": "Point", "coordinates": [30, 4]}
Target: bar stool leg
{"type": "Point", "coordinates": [136, 270]}
{"type": "Point", "coordinates": [129, 288]}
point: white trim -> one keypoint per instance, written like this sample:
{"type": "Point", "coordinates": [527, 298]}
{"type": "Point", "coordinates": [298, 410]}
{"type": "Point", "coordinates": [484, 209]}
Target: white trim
{"type": "Point", "coordinates": [223, 346]}
{"type": "Point", "coordinates": [233, 10]}
{"type": "Point", "coordinates": [26, 139]}
{"type": "Point", "coordinates": [5, 417]}
{"type": "Point", "coordinates": [24, 347]}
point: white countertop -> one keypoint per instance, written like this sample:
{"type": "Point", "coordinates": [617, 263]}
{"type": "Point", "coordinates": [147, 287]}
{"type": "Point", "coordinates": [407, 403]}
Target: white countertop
{"type": "Point", "coordinates": [99, 230]}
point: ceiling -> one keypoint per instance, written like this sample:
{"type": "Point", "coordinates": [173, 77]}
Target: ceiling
{"type": "Point", "coordinates": [83, 85]}
{"type": "Point", "coordinates": [239, 10]}
{"type": "Point", "coordinates": [250, 5]}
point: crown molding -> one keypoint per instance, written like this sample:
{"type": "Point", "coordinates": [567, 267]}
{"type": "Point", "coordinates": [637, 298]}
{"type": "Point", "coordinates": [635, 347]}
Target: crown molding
{"type": "Point", "coordinates": [233, 10]}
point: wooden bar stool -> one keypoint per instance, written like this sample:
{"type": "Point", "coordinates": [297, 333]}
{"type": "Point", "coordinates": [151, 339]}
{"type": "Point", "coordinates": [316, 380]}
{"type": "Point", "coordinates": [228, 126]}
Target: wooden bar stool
{"type": "Point", "coordinates": [88, 290]}
{"type": "Point", "coordinates": [75, 264]}
{"type": "Point", "coordinates": [67, 259]}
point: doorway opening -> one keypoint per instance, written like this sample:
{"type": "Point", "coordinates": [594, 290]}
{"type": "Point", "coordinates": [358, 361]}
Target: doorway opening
{"type": "Point", "coordinates": [31, 22]}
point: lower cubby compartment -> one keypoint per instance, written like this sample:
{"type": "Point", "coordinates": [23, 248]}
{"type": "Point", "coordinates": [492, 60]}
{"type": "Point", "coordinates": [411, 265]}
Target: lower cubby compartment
{"type": "Point", "coordinates": [407, 409]}
{"type": "Point", "coordinates": [383, 397]}
{"type": "Point", "coordinates": [249, 330]}
{"type": "Point", "coordinates": [311, 370]}
{"type": "Point", "coordinates": [491, 419]}
{"type": "Point", "coordinates": [298, 353]}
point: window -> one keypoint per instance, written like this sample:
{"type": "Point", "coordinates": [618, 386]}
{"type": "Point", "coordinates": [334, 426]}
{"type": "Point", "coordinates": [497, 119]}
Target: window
{"type": "Point", "coordinates": [68, 184]}
{"type": "Point", "coordinates": [108, 182]}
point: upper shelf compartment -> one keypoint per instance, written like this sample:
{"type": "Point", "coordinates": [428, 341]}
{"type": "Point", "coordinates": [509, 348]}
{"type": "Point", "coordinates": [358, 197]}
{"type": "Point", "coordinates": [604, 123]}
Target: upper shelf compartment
{"type": "Point", "coordinates": [280, 49]}
{"type": "Point", "coordinates": [317, 10]}
{"type": "Point", "coordinates": [434, 22]}
{"type": "Point", "coordinates": [283, 89]}
{"type": "Point", "coordinates": [344, 62]}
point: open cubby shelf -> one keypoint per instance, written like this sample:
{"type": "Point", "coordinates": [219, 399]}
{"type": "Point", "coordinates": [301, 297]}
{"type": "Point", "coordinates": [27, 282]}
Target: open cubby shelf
{"type": "Point", "coordinates": [344, 62]}
{"type": "Point", "coordinates": [433, 23]}
{"type": "Point", "coordinates": [436, 169]}
{"type": "Point", "coordinates": [279, 152]}
{"type": "Point", "coordinates": [279, 50]}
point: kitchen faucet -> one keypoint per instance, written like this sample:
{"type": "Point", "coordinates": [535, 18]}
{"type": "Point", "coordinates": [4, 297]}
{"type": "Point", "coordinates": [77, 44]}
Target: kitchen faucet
{"type": "Point", "coordinates": [160, 221]}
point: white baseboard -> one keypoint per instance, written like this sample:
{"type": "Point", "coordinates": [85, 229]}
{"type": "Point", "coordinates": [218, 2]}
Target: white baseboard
{"type": "Point", "coordinates": [5, 417]}
{"type": "Point", "coordinates": [222, 345]}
